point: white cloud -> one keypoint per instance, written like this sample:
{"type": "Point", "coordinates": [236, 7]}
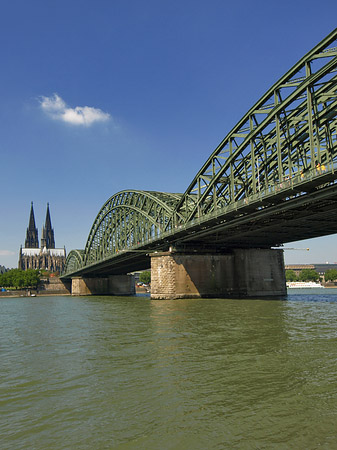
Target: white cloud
{"type": "Point", "coordinates": [6, 253]}
{"type": "Point", "coordinates": [57, 108]}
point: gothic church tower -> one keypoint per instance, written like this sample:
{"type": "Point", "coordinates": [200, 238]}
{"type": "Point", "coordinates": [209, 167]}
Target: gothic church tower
{"type": "Point", "coordinates": [32, 240]}
{"type": "Point", "coordinates": [47, 239]}
{"type": "Point", "coordinates": [46, 257]}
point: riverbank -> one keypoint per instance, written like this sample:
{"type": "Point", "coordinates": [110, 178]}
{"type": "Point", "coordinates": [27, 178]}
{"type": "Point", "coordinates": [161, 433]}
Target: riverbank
{"type": "Point", "coordinates": [30, 293]}
{"type": "Point", "coordinates": [54, 287]}
{"type": "Point", "coordinates": [47, 286]}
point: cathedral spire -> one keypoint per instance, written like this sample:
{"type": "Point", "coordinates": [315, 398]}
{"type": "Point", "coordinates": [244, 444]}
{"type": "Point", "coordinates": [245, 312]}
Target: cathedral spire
{"type": "Point", "coordinates": [47, 239]}
{"type": "Point", "coordinates": [48, 221]}
{"type": "Point", "coordinates": [32, 240]}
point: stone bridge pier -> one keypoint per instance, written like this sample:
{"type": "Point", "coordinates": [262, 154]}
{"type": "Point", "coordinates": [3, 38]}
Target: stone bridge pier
{"type": "Point", "coordinates": [242, 273]}
{"type": "Point", "coordinates": [111, 285]}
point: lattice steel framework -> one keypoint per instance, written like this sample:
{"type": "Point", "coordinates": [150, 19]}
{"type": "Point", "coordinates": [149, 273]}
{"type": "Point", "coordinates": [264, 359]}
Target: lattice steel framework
{"type": "Point", "coordinates": [289, 134]}
{"type": "Point", "coordinates": [128, 219]}
{"type": "Point", "coordinates": [275, 152]}
{"type": "Point", "coordinates": [74, 261]}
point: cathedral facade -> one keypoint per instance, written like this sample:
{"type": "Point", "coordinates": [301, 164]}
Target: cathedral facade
{"type": "Point", "coordinates": [46, 256]}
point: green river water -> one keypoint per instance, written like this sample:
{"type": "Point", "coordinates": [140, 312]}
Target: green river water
{"type": "Point", "coordinates": [130, 373]}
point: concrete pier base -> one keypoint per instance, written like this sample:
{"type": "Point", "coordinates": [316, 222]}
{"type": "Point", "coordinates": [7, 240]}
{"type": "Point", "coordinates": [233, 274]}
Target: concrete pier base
{"type": "Point", "coordinates": [243, 273]}
{"type": "Point", "coordinates": [111, 285]}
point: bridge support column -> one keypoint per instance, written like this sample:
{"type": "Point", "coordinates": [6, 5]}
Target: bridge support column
{"type": "Point", "coordinates": [122, 285]}
{"type": "Point", "coordinates": [111, 285]}
{"type": "Point", "coordinates": [243, 273]}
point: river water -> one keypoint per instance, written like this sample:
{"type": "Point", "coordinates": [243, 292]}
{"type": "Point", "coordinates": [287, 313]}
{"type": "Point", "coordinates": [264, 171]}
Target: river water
{"type": "Point", "coordinates": [130, 373]}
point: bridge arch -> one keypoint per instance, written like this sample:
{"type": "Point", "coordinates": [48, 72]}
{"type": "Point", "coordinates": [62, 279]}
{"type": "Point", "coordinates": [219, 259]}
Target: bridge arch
{"type": "Point", "coordinates": [287, 137]}
{"type": "Point", "coordinates": [74, 261]}
{"type": "Point", "coordinates": [129, 219]}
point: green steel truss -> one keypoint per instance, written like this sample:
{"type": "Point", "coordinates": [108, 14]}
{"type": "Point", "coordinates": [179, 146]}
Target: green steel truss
{"type": "Point", "coordinates": [74, 261]}
{"type": "Point", "coordinates": [128, 219]}
{"type": "Point", "coordinates": [289, 134]}
{"type": "Point", "coordinates": [286, 142]}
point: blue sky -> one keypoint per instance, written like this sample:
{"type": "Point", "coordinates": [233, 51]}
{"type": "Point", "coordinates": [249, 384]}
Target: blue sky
{"type": "Point", "coordinates": [101, 96]}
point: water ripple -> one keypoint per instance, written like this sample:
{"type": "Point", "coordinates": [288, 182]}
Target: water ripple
{"type": "Point", "coordinates": [130, 373]}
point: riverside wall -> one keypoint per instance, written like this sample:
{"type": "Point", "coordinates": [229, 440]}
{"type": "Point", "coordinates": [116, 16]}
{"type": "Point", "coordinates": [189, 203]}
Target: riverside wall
{"type": "Point", "coordinates": [47, 286]}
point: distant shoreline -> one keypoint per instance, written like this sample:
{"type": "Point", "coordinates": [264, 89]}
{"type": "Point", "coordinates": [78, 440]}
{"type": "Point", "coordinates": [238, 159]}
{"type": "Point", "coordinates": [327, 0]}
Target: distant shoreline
{"type": "Point", "coordinates": [20, 294]}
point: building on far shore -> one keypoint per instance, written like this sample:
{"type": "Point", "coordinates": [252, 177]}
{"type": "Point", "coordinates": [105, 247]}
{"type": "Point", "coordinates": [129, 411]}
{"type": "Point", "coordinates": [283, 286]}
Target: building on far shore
{"type": "Point", "coordinates": [319, 268]}
{"type": "Point", "coordinates": [46, 256]}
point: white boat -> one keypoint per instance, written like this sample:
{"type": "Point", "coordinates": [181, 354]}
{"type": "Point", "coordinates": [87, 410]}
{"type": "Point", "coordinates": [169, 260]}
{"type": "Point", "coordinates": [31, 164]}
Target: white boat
{"type": "Point", "coordinates": [303, 285]}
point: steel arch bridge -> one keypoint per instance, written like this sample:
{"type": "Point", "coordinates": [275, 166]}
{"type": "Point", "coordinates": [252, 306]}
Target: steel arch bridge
{"type": "Point", "coordinates": [128, 219]}
{"type": "Point", "coordinates": [271, 180]}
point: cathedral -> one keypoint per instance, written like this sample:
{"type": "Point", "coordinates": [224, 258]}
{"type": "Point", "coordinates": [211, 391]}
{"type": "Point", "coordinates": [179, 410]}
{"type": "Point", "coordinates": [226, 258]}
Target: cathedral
{"type": "Point", "coordinates": [46, 257]}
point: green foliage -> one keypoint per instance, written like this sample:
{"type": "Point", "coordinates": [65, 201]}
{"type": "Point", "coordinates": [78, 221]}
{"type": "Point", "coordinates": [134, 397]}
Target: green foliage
{"type": "Point", "coordinates": [17, 278]}
{"type": "Point", "coordinates": [309, 275]}
{"type": "Point", "coordinates": [145, 277]}
{"type": "Point", "coordinates": [330, 275]}
{"type": "Point", "coordinates": [291, 275]}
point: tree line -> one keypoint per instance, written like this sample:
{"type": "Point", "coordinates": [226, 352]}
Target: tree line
{"type": "Point", "coordinates": [311, 275]}
{"type": "Point", "coordinates": [19, 279]}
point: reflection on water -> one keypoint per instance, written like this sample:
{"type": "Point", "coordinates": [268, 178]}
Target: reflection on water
{"type": "Point", "coordinates": [131, 373]}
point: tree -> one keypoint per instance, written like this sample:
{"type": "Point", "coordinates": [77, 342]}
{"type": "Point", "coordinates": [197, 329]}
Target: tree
{"type": "Point", "coordinates": [330, 275]}
{"type": "Point", "coordinates": [4, 279]}
{"type": "Point", "coordinates": [145, 277]}
{"type": "Point", "coordinates": [291, 275]}
{"type": "Point", "coordinates": [32, 278]}
{"type": "Point", "coordinates": [18, 278]}
{"type": "Point", "coordinates": [309, 275]}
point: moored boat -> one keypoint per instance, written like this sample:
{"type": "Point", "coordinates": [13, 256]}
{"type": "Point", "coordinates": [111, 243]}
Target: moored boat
{"type": "Point", "coordinates": [303, 285]}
